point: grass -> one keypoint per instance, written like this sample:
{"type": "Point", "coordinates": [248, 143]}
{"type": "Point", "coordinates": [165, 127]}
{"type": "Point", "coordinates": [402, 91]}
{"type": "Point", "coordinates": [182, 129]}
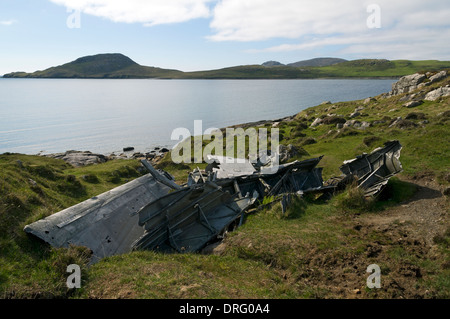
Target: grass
{"type": "Point", "coordinates": [151, 275]}
{"type": "Point", "coordinates": [312, 250]}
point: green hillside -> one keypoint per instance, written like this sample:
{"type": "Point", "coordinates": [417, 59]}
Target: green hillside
{"type": "Point", "coordinates": [366, 68]}
{"type": "Point", "coordinates": [379, 68]}
{"type": "Point", "coordinates": [112, 65]}
{"type": "Point", "coordinates": [119, 66]}
{"type": "Point", "coordinates": [248, 72]}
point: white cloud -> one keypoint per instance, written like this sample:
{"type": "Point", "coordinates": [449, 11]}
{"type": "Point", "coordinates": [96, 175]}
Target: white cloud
{"type": "Point", "coordinates": [409, 29]}
{"type": "Point", "coordinates": [147, 12]}
{"type": "Point", "coordinates": [423, 44]}
{"type": "Point", "coordinates": [400, 44]}
{"type": "Point", "coordinates": [256, 20]}
{"type": "Point", "coordinates": [8, 22]}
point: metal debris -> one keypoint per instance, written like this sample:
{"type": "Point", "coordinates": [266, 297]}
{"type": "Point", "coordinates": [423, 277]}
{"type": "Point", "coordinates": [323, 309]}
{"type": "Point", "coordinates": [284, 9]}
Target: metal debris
{"type": "Point", "coordinates": [228, 167]}
{"type": "Point", "coordinates": [292, 177]}
{"type": "Point", "coordinates": [105, 223]}
{"type": "Point", "coordinates": [374, 170]}
{"type": "Point", "coordinates": [153, 212]}
{"type": "Point", "coordinates": [187, 219]}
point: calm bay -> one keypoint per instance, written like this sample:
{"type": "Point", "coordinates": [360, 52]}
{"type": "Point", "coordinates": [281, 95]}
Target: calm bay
{"type": "Point", "coordinates": [103, 116]}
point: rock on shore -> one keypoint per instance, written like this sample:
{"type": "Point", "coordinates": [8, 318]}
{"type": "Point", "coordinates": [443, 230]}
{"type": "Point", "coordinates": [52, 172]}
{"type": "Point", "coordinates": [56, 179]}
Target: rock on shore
{"type": "Point", "coordinates": [80, 158]}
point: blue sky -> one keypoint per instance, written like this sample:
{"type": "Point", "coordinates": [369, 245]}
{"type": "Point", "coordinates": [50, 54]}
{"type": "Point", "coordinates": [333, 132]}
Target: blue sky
{"type": "Point", "coordinates": [207, 34]}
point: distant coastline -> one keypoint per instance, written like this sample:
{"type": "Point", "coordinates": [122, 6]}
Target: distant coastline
{"type": "Point", "coordinates": [119, 66]}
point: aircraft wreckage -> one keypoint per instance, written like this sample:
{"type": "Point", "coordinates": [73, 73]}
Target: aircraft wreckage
{"type": "Point", "coordinates": [153, 212]}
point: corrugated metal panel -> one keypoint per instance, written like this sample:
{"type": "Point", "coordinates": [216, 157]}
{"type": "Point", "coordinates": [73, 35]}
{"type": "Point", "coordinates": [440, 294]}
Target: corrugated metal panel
{"type": "Point", "coordinates": [107, 224]}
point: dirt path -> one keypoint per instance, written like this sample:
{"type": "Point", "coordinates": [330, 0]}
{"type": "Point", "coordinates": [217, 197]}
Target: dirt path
{"type": "Point", "coordinates": [408, 241]}
{"type": "Point", "coordinates": [424, 215]}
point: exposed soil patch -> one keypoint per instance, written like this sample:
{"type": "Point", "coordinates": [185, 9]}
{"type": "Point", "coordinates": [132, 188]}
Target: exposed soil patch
{"type": "Point", "coordinates": [404, 245]}
{"type": "Point", "coordinates": [425, 215]}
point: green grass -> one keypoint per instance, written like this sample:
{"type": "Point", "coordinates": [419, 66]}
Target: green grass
{"type": "Point", "coordinates": [151, 275]}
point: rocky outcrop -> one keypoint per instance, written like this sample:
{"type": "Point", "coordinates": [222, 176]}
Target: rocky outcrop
{"type": "Point", "coordinates": [438, 76]}
{"type": "Point", "coordinates": [438, 93]}
{"type": "Point", "coordinates": [407, 83]}
{"type": "Point", "coordinates": [80, 158]}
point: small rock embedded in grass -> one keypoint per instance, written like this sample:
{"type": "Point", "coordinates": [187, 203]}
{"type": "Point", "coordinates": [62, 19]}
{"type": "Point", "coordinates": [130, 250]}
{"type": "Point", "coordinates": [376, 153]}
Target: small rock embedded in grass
{"type": "Point", "coordinates": [354, 114]}
{"type": "Point", "coordinates": [403, 123]}
{"type": "Point", "coordinates": [369, 99]}
{"type": "Point", "coordinates": [415, 116]}
{"type": "Point", "coordinates": [412, 104]}
{"type": "Point", "coordinates": [316, 122]}
{"type": "Point", "coordinates": [333, 120]}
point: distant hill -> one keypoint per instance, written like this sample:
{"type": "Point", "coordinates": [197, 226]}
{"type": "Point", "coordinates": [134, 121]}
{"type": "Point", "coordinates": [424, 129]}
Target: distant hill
{"type": "Point", "coordinates": [119, 66]}
{"type": "Point", "coordinates": [272, 63]}
{"type": "Point", "coordinates": [317, 62]}
{"type": "Point", "coordinates": [110, 65]}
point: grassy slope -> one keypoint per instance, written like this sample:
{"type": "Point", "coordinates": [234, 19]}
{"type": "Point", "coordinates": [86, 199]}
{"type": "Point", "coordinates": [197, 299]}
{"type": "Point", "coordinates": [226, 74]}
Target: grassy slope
{"type": "Point", "coordinates": [296, 255]}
